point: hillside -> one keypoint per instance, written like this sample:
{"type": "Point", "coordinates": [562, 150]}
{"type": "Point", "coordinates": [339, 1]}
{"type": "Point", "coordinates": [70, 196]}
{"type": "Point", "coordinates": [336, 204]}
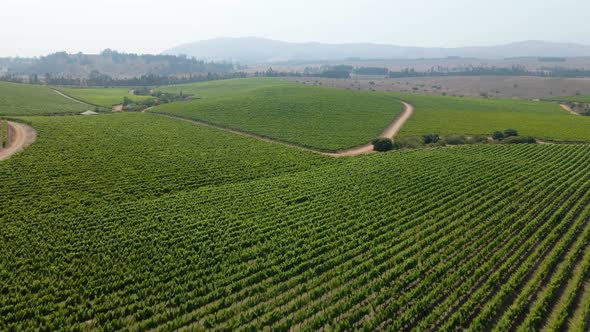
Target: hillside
{"type": "Point", "coordinates": [260, 50]}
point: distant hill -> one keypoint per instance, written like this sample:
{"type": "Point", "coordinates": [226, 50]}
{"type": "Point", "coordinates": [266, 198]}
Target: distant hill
{"type": "Point", "coordinates": [260, 50]}
{"type": "Point", "coordinates": [109, 62]}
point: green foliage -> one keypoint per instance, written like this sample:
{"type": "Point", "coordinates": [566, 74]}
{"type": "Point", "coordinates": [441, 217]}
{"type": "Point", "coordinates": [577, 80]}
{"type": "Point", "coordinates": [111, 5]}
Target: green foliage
{"type": "Point", "coordinates": [24, 99]}
{"type": "Point", "coordinates": [431, 138]}
{"type": "Point", "coordinates": [479, 116]}
{"type": "Point", "coordinates": [510, 132]}
{"type": "Point", "coordinates": [455, 140]}
{"type": "Point", "coordinates": [498, 135]}
{"type": "Point", "coordinates": [317, 117]}
{"type": "Point", "coordinates": [519, 140]}
{"type": "Point", "coordinates": [382, 144]}
{"type": "Point", "coordinates": [107, 230]}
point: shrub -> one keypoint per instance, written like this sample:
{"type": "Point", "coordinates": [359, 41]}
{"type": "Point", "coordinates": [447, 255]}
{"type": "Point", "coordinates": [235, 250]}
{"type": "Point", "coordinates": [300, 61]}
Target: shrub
{"type": "Point", "coordinates": [410, 142]}
{"type": "Point", "coordinates": [510, 133]}
{"type": "Point", "coordinates": [478, 139]}
{"type": "Point", "coordinates": [455, 140]}
{"type": "Point", "coordinates": [382, 144]}
{"type": "Point", "coordinates": [498, 135]}
{"type": "Point", "coordinates": [519, 140]}
{"type": "Point", "coordinates": [431, 138]}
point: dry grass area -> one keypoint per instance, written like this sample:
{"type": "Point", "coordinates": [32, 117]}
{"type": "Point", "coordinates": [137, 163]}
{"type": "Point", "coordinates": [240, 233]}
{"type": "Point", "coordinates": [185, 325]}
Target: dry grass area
{"type": "Point", "coordinates": [476, 86]}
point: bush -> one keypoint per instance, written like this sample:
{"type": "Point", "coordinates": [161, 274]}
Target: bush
{"type": "Point", "coordinates": [519, 140]}
{"type": "Point", "coordinates": [498, 135]}
{"type": "Point", "coordinates": [382, 144]}
{"type": "Point", "coordinates": [477, 139]}
{"type": "Point", "coordinates": [431, 138]}
{"type": "Point", "coordinates": [455, 140]}
{"type": "Point", "coordinates": [510, 133]}
{"type": "Point", "coordinates": [410, 143]}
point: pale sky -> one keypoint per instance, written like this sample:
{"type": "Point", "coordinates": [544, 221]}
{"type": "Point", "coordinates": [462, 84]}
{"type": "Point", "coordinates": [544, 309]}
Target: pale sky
{"type": "Point", "coordinates": [39, 27]}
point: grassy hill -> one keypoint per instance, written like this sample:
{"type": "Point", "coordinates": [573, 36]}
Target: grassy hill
{"type": "Point", "coordinates": [454, 115]}
{"type": "Point", "coordinates": [322, 118]}
{"type": "Point", "coordinates": [24, 99]}
{"type": "Point", "coordinates": [106, 97]}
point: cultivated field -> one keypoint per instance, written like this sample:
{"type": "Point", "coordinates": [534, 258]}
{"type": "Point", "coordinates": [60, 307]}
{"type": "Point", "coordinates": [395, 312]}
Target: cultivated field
{"type": "Point", "coordinates": [21, 99]}
{"type": "Point", "coordinates": [105, 97]}
{"type": "Point", "coordinates": [141, 221]}
{"type": "Point", "coordinates": [475, 86]}
{"type": "Point", "coordinates": [322, 118]}
{"type": "Point", "coordinates": [453, 115]}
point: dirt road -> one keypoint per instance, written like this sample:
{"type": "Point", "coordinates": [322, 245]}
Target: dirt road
{"type": "Point", "coordinates": [21, 136]}
{"type": "Point", "coordinates": [569, 109]}
{"type": "Point", "coordinates": [389, 132]}
{"type": "Point", "coordinates": [70, 98]}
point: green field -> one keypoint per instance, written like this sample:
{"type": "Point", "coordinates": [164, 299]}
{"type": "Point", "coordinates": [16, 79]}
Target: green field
{"type": "Point", "coordinates": [224, 88]}
{"type": "Point", "coordinates": [454, 115]}
{"type": "Point", "coordinates": [105, 97]}
{"type": "Point", "coordinates": [24, 99]}
{"type": "Point", "coordinates": [138, 221]}
{"type": "Point", "coordinates": [579, 99]}
{"type": "Point", "coordinates": [322, 118]}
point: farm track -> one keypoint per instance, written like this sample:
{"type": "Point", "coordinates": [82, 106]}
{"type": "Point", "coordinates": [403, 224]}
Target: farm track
{"type": "Point", "coordinates": [390, 132]}
{"type": "Point", "coordinates": [21, 136]}
{"type": "Point", "coordinates": [71, 98]}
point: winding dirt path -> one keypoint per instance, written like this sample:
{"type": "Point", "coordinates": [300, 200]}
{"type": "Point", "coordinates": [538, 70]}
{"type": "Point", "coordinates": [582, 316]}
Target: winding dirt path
{"type": "Point", "coordinates": [389, 132]}
{"type": "Point", "coordinates": [569, 109]}
{"type": "Point", "coordinates": [21, 136]}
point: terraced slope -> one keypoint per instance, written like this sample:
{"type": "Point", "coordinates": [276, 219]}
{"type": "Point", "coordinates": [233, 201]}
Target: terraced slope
{"type": "Point", "coordinates": [322, 118]}
{"type": "Point", "coordinates": [453, 115]}
{"type": "Point", "coordinates": [25, 99]}
{"type": "Point", "coordinates": [136, 221]}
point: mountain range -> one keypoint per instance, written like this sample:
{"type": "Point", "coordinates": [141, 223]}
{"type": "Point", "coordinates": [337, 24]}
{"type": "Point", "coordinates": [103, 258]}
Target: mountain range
{"type": "Point", "coordinates": [261, 50]}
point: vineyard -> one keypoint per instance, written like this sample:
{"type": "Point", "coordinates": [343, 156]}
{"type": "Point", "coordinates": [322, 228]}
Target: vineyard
{"type": "Point", "coordinates": [23, 99]}
{"type": "Point", "coordinates": [139, 221]}
{"type": "Point", "coordinates": [106, 97]}
{"type": "Point", "coordinates": [322, 118]}
{"type": "Point", "coordinates": [459, 116]}
{"type": "Point", "coordinates": [132, 236]}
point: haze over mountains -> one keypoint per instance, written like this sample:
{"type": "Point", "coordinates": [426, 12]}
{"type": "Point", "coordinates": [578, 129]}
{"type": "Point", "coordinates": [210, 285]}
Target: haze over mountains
{"type": "Point", "coordinates": [260, 50]}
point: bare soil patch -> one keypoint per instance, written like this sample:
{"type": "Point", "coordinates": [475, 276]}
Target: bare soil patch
{"type": "Point", "coordinates": [20, 136]}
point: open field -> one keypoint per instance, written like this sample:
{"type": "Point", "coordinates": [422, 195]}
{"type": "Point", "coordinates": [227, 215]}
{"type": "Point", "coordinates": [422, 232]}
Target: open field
{"type": "Point", "coordinates": [139, 221]}
{"type": "Point", "coordinates": [475, 86]}
{"type": "Point", "coordinates": [23, 99]}
{"type": "Point", "coordinates": [105, 97]}
{"type": "Point", "coordinates": [322, 118]}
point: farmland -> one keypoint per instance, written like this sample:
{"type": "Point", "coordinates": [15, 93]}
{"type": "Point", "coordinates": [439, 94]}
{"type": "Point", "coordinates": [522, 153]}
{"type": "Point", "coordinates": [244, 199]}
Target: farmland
{"type": "Point", "coordinates": [21, 99]}
{"type": "Point", "coordinates": [322, 118]}
{"type": "Point", "coordinates": [142, 221]}
{"type": "Point", "coordinates": [578, 99]}
{"type": "Point", "coordinates": [453, 115]}
{"type": "Point", "coordinates": [105, 97]}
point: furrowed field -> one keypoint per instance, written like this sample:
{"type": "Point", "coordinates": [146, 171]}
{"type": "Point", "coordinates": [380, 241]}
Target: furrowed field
{"type": "Point", "coordinates": [323, 118]}
{"type": "Point", "coordinates": [105, 97]}
{"type": "Point", "coordinates": [454, 115]}
{"type": "Point", "coordinates": [139, 221]}
{"type": "Point", "coordinates": [22, 99]}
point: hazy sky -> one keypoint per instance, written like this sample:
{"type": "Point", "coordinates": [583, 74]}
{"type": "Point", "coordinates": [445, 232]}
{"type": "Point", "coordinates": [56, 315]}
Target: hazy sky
{"type": "Point", "coordinates": [39, 27]}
